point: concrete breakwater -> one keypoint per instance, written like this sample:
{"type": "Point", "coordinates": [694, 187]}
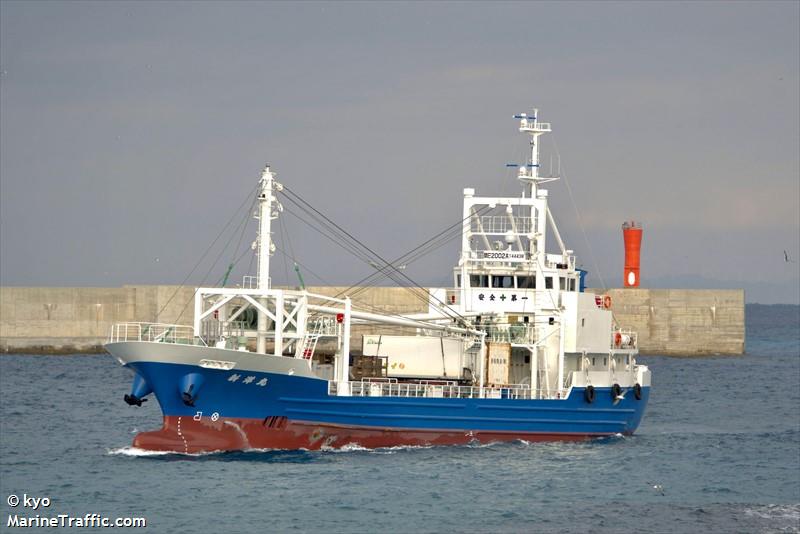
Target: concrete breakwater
{"type": "Point", "coordinates": [683, 322]}
{"type": "Point", "coordinates": [52, 320]}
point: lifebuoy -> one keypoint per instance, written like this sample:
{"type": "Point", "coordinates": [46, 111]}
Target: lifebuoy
{"type": "Point", "coordinates": [637, 391]}
{"type": "Point", "coordinates": [588, 394]}
{"type": "Point", "coordinates": [616, 391]}
{"type": "Point", "coordinates": [607, 302]}
{"type": "Point", "coordinates": [617, 339]}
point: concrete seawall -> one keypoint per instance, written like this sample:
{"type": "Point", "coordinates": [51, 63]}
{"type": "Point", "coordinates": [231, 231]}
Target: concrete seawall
{"type": "Point", "coordinates": [683, 322]}
{"type": "Point", "coordinates": [78, 319]}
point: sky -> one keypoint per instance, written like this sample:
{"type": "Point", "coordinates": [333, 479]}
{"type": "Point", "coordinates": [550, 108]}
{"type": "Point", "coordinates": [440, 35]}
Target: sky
{"type": "Point", "coordinates": [131, 133]}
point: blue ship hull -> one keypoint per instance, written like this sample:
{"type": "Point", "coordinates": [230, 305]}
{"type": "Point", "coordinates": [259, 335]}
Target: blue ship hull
{"type": "Point", "coordinates": [233, 409]}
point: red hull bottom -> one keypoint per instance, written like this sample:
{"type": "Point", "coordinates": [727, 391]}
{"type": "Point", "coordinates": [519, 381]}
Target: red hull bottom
{"type": "Point", "coordinates": [187, 435]}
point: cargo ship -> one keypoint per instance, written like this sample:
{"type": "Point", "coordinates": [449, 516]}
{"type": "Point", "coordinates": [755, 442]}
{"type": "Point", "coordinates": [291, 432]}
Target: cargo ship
{"type": "Point", "coordinates": [516, 349]}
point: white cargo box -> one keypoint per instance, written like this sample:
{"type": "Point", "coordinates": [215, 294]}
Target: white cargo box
{"type": "Point", "coordinates": [430, 357]}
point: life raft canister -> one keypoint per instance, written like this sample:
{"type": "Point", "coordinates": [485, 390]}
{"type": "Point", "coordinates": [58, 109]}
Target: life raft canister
{"type": "Point", "coordinates": [607, 302]}
{"type": "Point", "coordinates": [637, 391]}
{"type": "Point", "coordinates": [588, 394]}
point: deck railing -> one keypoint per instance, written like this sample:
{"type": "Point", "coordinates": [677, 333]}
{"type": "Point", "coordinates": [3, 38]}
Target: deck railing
{"type": "Point", "coordinates": [154, 332]}
{"type": "Point", "coordinates": [390, 387]}
{"type": "Point", "coordinates": [500, 224]}
{"type": "Point", "coordinates": [324, 326]}
{"type": "Point", "coordinates": [521, 333]}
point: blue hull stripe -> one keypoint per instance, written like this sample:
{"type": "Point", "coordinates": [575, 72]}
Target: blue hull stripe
{"type": "Point", "coordinates": [506, 406]}
{"type": "Point", "coordinates": [456, 418]}
{"type": "Point", "coordinates": [307, 399]}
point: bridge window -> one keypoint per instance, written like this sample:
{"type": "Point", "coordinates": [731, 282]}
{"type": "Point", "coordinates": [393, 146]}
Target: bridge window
{"type": "Point", "coordinates": [503, 281]}
{"type": "Point", "coordinates": [562, 283]}
{"type": "Point", "coordinates": [572, 284]}
{"type": "Point", "coordinates": [548, 282]}
{"type": "Point", "coordinates": [479, 280]}
{"type": "Point", "coordinates": [526, 282]}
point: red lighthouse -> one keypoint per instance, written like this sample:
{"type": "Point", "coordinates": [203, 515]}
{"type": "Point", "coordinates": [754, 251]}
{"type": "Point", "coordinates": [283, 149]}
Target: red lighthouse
{"type": "Point", "coordinates": [632, 234]}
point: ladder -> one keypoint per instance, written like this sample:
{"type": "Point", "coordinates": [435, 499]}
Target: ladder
{"type": "Point", "coordinates": [310, 340]}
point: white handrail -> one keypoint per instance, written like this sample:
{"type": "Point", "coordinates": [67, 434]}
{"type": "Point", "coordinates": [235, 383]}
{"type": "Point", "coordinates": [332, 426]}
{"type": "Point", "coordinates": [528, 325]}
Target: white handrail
{"type": "Point", "coordinates": [154, 332]}
{"type": "Point", "coordinates": [374, 387]}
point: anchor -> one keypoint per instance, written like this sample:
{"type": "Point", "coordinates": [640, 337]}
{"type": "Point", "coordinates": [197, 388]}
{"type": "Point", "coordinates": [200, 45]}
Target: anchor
{"type": "Point", "coordinates": [189, 387]}
{"type": "Point", "coordinates": [139, 390]}
{"type": "Point", "coordinates": [133, 400]}
{"type": "Point", "coordinates": [188, 400]}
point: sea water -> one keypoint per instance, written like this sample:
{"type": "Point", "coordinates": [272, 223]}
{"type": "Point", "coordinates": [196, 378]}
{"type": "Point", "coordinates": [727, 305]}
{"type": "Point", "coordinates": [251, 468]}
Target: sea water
{"type": "Point", "coordinates": [718, 451]}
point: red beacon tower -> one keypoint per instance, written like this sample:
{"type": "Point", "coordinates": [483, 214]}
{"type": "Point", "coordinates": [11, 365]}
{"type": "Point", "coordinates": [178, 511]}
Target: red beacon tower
{"type": "Point", "coordinates": [632, 233]}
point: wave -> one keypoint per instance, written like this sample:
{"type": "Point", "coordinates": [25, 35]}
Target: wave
{"type": "Point", "coordinates": [136, 452]}
{"type": "Point", "coordinates": [355, 447]}
{"type": "Point", "coordinates": [349, 448]}
{"type": "Point", "coordinates": [775, 511]}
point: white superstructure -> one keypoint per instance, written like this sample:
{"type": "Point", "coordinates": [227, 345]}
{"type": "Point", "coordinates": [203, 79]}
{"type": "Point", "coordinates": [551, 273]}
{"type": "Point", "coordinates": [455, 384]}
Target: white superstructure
{"type": "Point", "coordinates": [524, 296]}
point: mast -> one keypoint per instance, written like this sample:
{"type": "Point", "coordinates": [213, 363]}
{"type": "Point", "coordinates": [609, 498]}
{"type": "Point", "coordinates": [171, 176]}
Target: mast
{"type": "Point", "coordinates": [265, 247]}
{"type": "Point", "coordinates": [529, 176]}
{"type": "Point", "coordinates": [540, 216]}
{"type": "Point", "coordinates": [529, 173]}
